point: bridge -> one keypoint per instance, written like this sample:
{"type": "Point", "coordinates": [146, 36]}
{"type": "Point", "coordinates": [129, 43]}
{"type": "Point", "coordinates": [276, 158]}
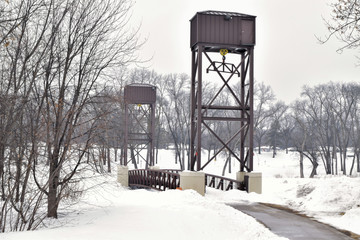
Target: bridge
{"type": "Point", "coordinates": [170, 179]}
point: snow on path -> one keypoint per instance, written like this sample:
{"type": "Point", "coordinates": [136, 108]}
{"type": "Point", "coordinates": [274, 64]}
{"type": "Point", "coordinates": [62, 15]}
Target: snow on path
{"type": "Point", "coordinates": [112, 212]}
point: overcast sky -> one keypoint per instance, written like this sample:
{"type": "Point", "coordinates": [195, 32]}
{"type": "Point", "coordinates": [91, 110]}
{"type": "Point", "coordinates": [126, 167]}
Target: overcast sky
{"type": "Point", "coordinates": [287, 53]}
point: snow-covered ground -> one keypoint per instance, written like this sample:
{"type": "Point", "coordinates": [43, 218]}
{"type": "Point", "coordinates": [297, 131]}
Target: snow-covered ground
{"type": "Point", "coordinates": [335, 201]}
{"type": "Point", "coordinates": [109, 211]}
{"type": "Point", "coordinates": [330, 199]}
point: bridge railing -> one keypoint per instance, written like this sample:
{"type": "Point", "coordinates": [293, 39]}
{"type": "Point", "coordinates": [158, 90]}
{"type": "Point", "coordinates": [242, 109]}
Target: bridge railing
{"type": "Point", "coordinates": [223, 183]}
{"type": "Point", "coordinates": [170, 179]}
{"type": "Point", "coordinates": [154, 179]}
{"type": "Point", "coordinates": [172, 170]}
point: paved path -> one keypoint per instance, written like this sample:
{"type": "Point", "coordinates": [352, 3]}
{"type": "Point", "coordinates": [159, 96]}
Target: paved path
{"type": "Point", "coordinates": [290, 225]}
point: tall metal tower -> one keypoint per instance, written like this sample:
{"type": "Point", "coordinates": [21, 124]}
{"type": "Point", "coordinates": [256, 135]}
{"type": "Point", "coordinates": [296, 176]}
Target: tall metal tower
{"type": "Point", "coordinates": [139, 131]}
{"type": "Point", "coordinates": [224, 35]}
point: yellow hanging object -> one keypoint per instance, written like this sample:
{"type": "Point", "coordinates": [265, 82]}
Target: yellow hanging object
{"type": "Point", "coordinates": [139, 105]}
{"type": "Point", "coordinates": [223, 51]}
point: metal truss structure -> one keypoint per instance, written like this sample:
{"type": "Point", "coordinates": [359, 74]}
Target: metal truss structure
{"type": "Point", "coordinates": [139, 124]}
{"type": "Point", "coordinates": [237, 84]}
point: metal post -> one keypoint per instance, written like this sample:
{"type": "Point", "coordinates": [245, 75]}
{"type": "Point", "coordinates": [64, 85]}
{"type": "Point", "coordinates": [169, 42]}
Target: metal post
{"type": "Point", "coordinates": [192, 112]}
{"type": "Point", "coordinates": [242, 124]}
{"type": "Point", "coordinates": [199, 104]}
{"type": "Point", "coordinates": [251, 92]}
{"type": "Point", "coordinates": [152, 134]}
{"type": "Point", "coordinates": [126, 133]}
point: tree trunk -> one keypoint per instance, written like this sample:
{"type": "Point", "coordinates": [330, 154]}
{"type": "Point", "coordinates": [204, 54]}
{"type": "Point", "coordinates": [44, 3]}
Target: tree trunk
{"type": "Point", "coordinates": [88, 157]}
{"type": "Point", "coordinates": [26, 179]}
{"type": "Point", "coordinates": [229, 163]}
{"type": "Point", "coordinates": [94, 160]}
{"type": "Point", "coordinates": [259, 150]}
{"type": "Point", "coordinates": [274, 152]}
{"type": "Point", "coordinates": [301, 164]}
{"type": "Point", "coordinates": [103, 155]}
{"type": "Point", "coordinates": [328, 162]}
{"type": "Point", "coordinates": [133, 157]}
{"type": "Point", "coordinates": [344, 162]}
{"type": "Point", "coordinates": [108, 160]}
{"type": "Point", "coordinates": [336, 165]}
{"type": "Point", "coordinates": [17, 177]}
{"type": "Point", "coordinates": [224, 168]}
{"type": "Point", "coordinates": [183, 158]}
{"type": "Point", "coordinates": [52, 199]}
{"type": "Point", "coordinates": [122, 156]}
{"type": "Point", "coordinates": [313, 171]}
{"type": "Point", "coordinates": [341, 161]}
{"type": "Point", "coordinates": [115, 153]}
{"type": "Point", "coordinates": [53, 185]}
{"type": "Point", "coordinates": [352, 165]}
{"type": "Point", "coordinates": [2, 157]}
{"type": "Point", "coordinates": [156, 155]}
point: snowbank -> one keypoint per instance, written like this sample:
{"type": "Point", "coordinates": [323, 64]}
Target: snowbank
{"type": "Point", "coordinates": [110, 211]}
{"type": "Point", "coordinates": [332, 200]}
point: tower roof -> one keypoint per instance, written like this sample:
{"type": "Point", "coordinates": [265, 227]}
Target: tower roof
{"type": "Point", "coordinates": [222, 13]}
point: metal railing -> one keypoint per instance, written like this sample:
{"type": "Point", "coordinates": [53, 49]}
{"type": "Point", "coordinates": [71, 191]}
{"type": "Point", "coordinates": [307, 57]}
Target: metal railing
{"type": "Point", "coordinates": [223, 183]}
{"type": "Point", "coordinates": [170, 179]}
{"type": "Point", "coordinates": [154, 179]}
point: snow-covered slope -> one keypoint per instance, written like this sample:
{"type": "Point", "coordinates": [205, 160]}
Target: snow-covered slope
{"type": "Point", "coordinates": [330, 199]}
{"type": "Point", "coordinates": [110, 211]}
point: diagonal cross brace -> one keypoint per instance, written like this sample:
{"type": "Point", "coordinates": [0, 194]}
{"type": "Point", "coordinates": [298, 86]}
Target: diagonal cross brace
{"type": "Point", "coordinates": [226, 82]}
{"type": "Point", "coordinates": [140, 124]}
{"type": "Point", "coordinates": [225, 145]}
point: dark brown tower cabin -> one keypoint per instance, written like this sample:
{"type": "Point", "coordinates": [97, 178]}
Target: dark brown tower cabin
{"type": "Point", "coordinates": [214, 28]}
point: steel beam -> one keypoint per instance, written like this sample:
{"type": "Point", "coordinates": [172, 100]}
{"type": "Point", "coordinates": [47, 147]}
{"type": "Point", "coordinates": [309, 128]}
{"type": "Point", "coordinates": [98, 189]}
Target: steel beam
{"type": "Point", "coordinates": [198, 106]}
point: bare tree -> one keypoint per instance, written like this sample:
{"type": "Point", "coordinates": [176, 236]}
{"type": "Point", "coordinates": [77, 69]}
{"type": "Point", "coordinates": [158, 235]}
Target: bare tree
{"type": "Point", "coordinates": [287, 126]}
{"type": "Point", "coordinates": [263, 98]}
{"type": "Point", "coordinates": [176, 113]}
{"type": "Point", "coordinates": [344, 24]}
{"type": "Point", "coordinates": [342, 104]}
{"type": "Point", "coordinates": [332, 110]}
{"type": "Point", "coordinates": [55, 57]}
{"type": "Point", "coordinates": [92, 37]}
{"type": "Point", "coordinates": [23, 47]}
{"type": "Point", "coordinates": [304, 137]}
{"type": "Point", "coordinates": [273, 136]}
{"type": "Point", "coordinates": [318, 109]}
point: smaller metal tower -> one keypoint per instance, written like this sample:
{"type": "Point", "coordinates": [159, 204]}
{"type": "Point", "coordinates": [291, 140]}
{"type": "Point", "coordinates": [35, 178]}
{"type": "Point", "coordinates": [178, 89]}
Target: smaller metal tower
{"type": "Point", "coordinates": [140, 100]}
